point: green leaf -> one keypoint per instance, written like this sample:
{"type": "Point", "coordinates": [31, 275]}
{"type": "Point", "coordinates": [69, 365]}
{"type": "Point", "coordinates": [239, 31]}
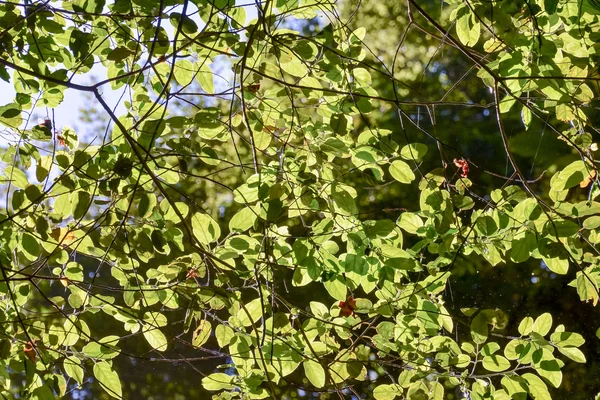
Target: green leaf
{"type": "Point", "coordinates": [80, 202]}
{"type": "Point", "coordinates": [547, 367]}
{"type": "Point", "coordinates": [242, 220]}
{"type": "Point", "coordinates": [314, 372]}
{"type": "Point", "coordinates": [43, 168]}
{"type": "Point", "coordinates": [356, 263]}
{"type": "Point", "coordinates": [336, 288]}
{"type": "Point", "coordinates": [10, 115]}
{"type": "Point", "coordinates": [495, 363]}
{"type": "Point", "coordinates": [119, 54]}
{"type": "Point", "coordinates": [16, 177]}
{"type": "Point", "coordinates": [526, 326]}
{"type": "Point", "coordinates": [146, 205]}
{"type": "Point", "coordinates": [401, 172]}
{"type": "Point", "coordinates": [295, 67]}
{"type": "Point", "coordinates": [319, 310]}
{"type": "Point", "coordinates": [73, 368]}
{"type": "Point", "coordinates": [205, 77]}
{"type": "Point", "coordinates": [413, 151]}
{"type": "Point", "coordinates": [42, 393]}
{"type": "Point", "coordinates": [202, 333]}
{"type": "Point", "coordinates": [183, 72]}
{"type": "Point", "coordinates": [224, 334]}
{"type": "Point", "coordinates": [187, 24]}
{"type": "Point", "coordinates": [567, 339]}
{"type": "Point", "coordinates": [335, 147]}
{"type": "Point", "coordinates": [570, 176]}
{"type": "Point", "coordinates": [344, 203]}
{"type": "Point", "coordinates": [62, 205]}
{"type": "Point", "coordinates": [218, 381]}
{"type": "Point", "coordinates": [586, 288]}
{"type": "Point", "coordinates": [436, 391]}
{"type": "Point", "coordinates": [522, 247]}
{"type": "Point", "coordinates": [573, 353]}
{"type": "Point", "coordinates": [526, 117]}
{"type": "Point", "coordinates": [517, 349]}
{"type": "Point", "coordinates": [550, 6]}
{"type": "Point", "coordinates": [490, 348]}
{"type": "Point", "coordinates": [410, 222]}
{"type": "Point", "coordinates": [561, 228]}
{"type": "Point", "coordinates": [592, 222]}
{"type": "Point", "coordinates": [507, 103]}
{"type": "Point", "coordinates": [479, 328]}
{"type": "Point", "coordinates": [381, 228]}
{"type": "Point", "coordinates": [339, 124]}
{"type": "Point", "coordinates": [542, 324]}
{"type": "Point", "coordinates": [536, 387]}
{"type": "Point", "coordinates": [97, 350]}
{"type": "Point", "coordinates": [108, 378]}
{"type": "Point", "coordinates": [516, 387]}
{"type": "Point", "coordinates": [155, 338]}
{"type": "Point", "coordinates": [468, 27]}
{"type": "Point", "coordinates": [30, 246]}
{"type": "Point", "coordinates": [252, 312]}
{"type": "Point", "coordinates": [557, 265]}
{"type": "Point", "coordinates": [386, 392]}
{"type": "Point", "coordinates": [205, 228]}
{"type": "Point", "coordinates": [486, 225]}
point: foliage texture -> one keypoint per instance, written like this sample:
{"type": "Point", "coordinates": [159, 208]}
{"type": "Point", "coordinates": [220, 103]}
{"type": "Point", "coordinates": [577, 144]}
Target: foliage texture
{"type": "Point", "coordinates": [250, 208]}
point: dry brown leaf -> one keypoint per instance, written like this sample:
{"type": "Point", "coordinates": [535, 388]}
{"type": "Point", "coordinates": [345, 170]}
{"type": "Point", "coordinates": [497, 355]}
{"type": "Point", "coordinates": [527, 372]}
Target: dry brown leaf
{"type": "Point", "coordinates": [29, 350]}
{"type": "Point", "coordinates": [586, 182]}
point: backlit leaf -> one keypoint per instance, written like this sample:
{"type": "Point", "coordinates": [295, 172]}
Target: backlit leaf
{"type": "Point", "coordinates": [108, 378]}
{"type": "Point", "coordinates": [314, 372]}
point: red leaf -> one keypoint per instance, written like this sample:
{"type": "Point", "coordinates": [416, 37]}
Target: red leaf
{"type": "Point", "coordinates": [347, 307]}
{"type": "Point", "coordinates": [253, 88]}
{"type": "Point", "coordinates": [192, 273]}
{"type": "Point", "coordinates": [462, 164]}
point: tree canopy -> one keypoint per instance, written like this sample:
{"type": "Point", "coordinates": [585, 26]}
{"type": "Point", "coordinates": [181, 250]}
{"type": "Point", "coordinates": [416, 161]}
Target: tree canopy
{"type": "Point", "coordinates": [300, 198]}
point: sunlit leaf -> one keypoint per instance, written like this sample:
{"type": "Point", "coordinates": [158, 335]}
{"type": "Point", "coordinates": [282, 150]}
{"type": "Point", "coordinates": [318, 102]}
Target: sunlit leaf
{"type": "Point", "coordinates": [314, 372]}
{"type": "Point", "coordinates": [205, 228]}
{"type": "Point", "coordinates": [402, 172]}
{"type": "Point", "coordinates": [108, 378]}
{"type": "Point", "coordinates": [202, 333]}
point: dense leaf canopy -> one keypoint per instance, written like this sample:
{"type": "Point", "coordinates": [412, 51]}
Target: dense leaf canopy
{"type": "Point", "coordinates": [300, 198]}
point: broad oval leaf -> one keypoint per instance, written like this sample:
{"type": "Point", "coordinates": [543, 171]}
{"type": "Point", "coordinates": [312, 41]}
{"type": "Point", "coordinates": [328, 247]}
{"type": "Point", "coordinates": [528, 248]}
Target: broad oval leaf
{"type": "Point", "coordinates": [542, 324]}
{"type": "Point", "coordinates": [526, 326]}
{"type": "Point", "coordinates": [242, 220]}
{"type": "Point", "coordinates": [218, 381]}
{"type": "Point", "coordinates": [386, 392]}
{"type": "Point", "coordinates": [314, 372]}
{"type": "Point", "coordinates": [495, 363]}
{"type": "Point", "coordinates": [573, 353]}
{"type": "Point", "coordinates": [402, 172]}
{"type": "Point", "coordinates": [570, 176]}
{"type": "Point", "coordinates": [206, 229]}
{"type": "Point", "coordinates": [567, 339]}
{"type": "Point", "coordinates": [413, 151]}
{"type": "Point", "coordinates": [108, 379]}
{"type": "Point", "coordinates": [537, 387]}
{"type": "Point", "coordinates": [202, 333]}
{"type": "Point", "coordinates": [73, 368]}
{"type": "Point", "coordinates": [156, 338]}
{"type": "Point", "coordinates": [479, 328]}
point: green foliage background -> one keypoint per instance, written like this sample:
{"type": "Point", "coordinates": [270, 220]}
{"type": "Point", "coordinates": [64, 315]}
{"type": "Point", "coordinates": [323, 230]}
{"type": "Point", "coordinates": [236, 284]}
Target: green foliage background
{"type": "Point", "coordinates": [303, 198]}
